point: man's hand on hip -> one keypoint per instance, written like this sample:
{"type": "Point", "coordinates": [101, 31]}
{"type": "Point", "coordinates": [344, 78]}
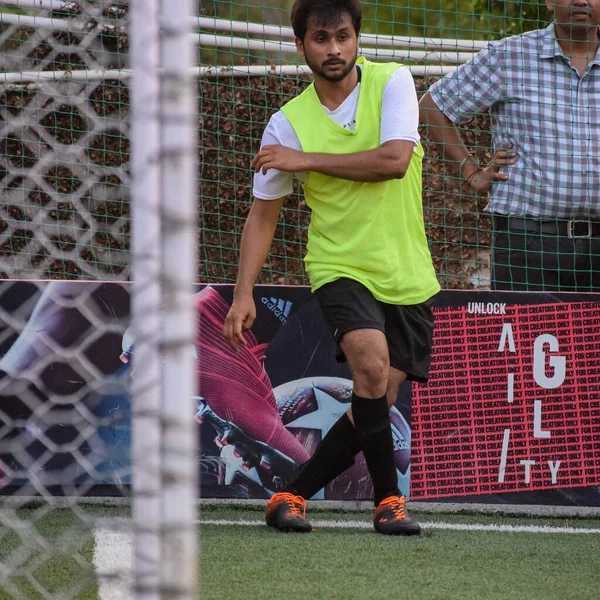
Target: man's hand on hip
{"type": "Point", "coordinates": [482, 180]}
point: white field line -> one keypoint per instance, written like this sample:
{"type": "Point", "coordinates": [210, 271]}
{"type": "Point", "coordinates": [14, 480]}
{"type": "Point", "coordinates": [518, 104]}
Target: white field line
{"type": "Point", "coordinates": [113, 550]}
{"type": "Point", "coordinates": [434, 525]}
{"type": "Point", "coordinates": [113, 562]}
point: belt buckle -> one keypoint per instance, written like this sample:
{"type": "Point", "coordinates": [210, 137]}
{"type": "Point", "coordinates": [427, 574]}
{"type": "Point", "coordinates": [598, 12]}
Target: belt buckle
{"type": "Point", "coordinates": [571, 224]}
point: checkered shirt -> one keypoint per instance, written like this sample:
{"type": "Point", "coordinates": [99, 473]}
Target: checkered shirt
{"type": "Point", "coordinates": [549, 113]}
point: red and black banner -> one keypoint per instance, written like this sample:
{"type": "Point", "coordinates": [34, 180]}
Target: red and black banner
{"type": "Point", "coordinates": [513, 402]}
{"type": "Point", "coordinates": [511, 412]}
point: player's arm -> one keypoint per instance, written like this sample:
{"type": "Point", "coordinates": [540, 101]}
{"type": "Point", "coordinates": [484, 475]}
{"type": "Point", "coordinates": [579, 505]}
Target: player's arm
{"type": "Point", "coordinates": [257, 238]}
{"type": "Point", "coordinates": [389, 161]}
{"type": "Point", "coordinates": [398, 138]}
{"type": "Point", "coordinates": [269, 192]}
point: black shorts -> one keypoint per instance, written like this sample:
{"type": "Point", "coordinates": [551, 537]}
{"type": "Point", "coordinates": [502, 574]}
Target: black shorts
{"type": "Point", "coordinates": [349, 305]}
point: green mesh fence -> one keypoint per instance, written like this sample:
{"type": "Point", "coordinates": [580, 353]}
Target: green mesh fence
{"type": "Point", "coordinates": [65, 147]}
{"type": "Point", "coordinates": [547, 87]}
{"type": "Point", "coordinates": [235, 108]}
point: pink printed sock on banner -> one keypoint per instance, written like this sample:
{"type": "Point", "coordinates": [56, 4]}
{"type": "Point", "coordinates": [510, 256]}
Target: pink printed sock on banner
{"type": "Point", "coordinates": [235, 384]}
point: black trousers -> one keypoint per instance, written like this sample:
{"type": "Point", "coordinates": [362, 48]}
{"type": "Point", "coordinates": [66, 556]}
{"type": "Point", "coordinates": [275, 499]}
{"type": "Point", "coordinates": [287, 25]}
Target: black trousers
{"type": "Point", "coordinates": [528, 255]}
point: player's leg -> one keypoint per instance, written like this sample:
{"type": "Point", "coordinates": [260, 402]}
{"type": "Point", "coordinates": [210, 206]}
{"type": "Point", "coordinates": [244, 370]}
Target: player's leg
{"type": "Point", "coordinates": [395, 379]}
{"type": "Point", "coordinates": [335, 454]}
{"type": "Point", "coordinates": [390, 515]}
{"type": "Point", "coordinates": [409, 334]}
{"type": "Point", "coordinates": [374, 383]}
{"type": "Point", "coordinates": [367, 353]}
{"type": "Point", "coordinates": [351, 311]}
{"type": "Point", "coordinates": [337, 451]}
{"type": "Point", "coordinates": [368, 357]}
{"type": "Point", "coordinates": [347, 306]}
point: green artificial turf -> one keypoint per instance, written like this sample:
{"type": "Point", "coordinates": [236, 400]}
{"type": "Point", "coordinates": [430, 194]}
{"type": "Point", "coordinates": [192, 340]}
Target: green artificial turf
{"type": "Point", "coordinates": [256, 563]}
{"type": "Point", "coordinates": [58, 563]}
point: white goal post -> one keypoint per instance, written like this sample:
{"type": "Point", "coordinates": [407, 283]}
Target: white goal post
{"type": "Point", "coordinates": [70, 348]}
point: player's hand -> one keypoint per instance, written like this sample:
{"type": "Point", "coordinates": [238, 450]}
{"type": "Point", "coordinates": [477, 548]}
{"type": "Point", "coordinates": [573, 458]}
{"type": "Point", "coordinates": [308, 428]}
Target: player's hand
{"type": "Point", "coordinates": [281, 158]}
{"type": "Point", "coordinates": [240, 318]}
{"type": "Point", "coordinates": [483, 180]}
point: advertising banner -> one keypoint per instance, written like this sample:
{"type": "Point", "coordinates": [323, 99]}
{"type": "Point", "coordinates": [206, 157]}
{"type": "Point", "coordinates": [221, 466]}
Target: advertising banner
{"type": "Point", "coordinates": [512, 407]}
{"type": "Point", "coordinates": [511, 412]}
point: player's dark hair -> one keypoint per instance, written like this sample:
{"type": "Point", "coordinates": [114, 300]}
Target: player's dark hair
{"type": "Point", "coordinates": [326, 12]}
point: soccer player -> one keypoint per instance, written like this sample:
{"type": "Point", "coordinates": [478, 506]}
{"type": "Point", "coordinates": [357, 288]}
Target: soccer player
{"type": "Point", "coordinates": [351, 139]}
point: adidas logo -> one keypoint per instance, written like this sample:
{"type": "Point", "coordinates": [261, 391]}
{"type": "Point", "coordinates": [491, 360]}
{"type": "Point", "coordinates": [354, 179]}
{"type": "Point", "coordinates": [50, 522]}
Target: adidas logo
{"type": "Point", "coordinates": [280, 308]}
{"type": "Point", "coordinates": [400, 442]}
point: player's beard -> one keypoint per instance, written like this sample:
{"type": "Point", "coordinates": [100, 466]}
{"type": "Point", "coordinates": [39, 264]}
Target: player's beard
{"type": "Point", "coordinates": [320, 71]}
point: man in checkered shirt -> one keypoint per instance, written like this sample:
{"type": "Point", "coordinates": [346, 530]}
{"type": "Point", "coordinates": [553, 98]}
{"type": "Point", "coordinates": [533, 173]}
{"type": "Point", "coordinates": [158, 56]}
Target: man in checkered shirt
{"type": "Point", "coordinates": [543, 89]}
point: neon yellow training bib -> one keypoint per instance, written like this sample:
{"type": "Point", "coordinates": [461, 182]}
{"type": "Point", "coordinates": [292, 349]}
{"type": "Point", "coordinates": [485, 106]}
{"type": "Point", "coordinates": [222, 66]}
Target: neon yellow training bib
{"type": "Point", "coordinates": [370, 232]}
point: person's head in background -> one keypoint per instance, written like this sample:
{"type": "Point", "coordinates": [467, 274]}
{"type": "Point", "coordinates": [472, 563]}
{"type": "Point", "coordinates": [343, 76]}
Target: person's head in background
{"type": "Point", "coordinates": [575, 19]}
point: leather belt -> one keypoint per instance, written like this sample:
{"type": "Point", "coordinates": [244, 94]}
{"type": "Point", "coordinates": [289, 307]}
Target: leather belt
{"type": "Point", "coordinates": [571, 229]}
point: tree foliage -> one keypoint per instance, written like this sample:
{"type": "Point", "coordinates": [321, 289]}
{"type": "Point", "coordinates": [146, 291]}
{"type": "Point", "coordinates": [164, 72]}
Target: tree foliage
{"type": "Point", "coordinates": [508, 17]}
{"type": "Point", "coordinates": [459, 19]}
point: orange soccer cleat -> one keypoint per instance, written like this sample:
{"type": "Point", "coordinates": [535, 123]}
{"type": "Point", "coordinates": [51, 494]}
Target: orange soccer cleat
{"type": "Point", "coordinates": [391, 518]}
{"type": "Point", "coordinates": [286, 512]}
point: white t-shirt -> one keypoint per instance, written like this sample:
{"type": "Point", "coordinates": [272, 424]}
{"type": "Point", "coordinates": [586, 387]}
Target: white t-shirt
{"type": "Point", "coordinates": [399, 121]}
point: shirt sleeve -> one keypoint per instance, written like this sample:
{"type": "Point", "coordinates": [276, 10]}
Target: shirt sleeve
{"type": "Point", "coordinates": [400, 108]}
{"type": "Point", "coordinates": [276, 184]}
{"type": "Point", "coordinates": [472, 88]}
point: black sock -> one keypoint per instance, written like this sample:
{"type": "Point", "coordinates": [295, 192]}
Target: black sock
{"type": "Point", "coordinates": [334, 454]}
{"type": "Point", "coordinates": [372, 422]}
